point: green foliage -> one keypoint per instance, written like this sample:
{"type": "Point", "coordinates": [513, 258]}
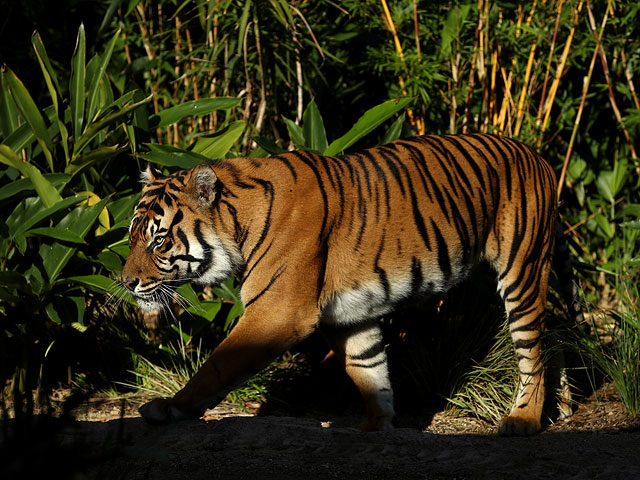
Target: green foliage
{"type": "Point", "coordinates": [613, 348]}
{"type": "Point", "coordinates": [487, 389]}
{"type": "Point", "coordinates": [71, 188]}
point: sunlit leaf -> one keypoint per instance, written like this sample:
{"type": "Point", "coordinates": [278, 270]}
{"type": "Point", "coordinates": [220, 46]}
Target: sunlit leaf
{"type": "Point", "coordinates": [57, 233]}
{"type": "Point", "coordinates": [169, 156]}
{"type": "Point", "coordinates": [31, 114]}
{"type": "Point", "coordinates": [313, 128]}
{"type": "Point", "coordinates": [47, 193]}
{"type": "Point", "coordinates": [372, 118]}
{"type": "Point", "coordinates": [201, 107]}
{"type": "Point", "coordinates": [295, 133]}
{"type": "Point", "coordinates": [101, 122]}
{"type": "Point", "coordinates": [93, 97]}
{"type": "Point", "coordinates": [218, 144]}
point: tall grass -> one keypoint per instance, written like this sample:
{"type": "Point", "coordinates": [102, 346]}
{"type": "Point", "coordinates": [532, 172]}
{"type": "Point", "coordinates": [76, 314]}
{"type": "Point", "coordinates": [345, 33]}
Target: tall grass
{"type": "Point", "coordinates": [614, 348]}
{"type": "Point", "coordinates": [487, 390]}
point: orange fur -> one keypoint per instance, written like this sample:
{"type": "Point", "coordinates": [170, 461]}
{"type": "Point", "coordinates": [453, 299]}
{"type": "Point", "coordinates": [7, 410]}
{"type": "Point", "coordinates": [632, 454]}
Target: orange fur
{"type": "Point", "coordinates": [336, 242]}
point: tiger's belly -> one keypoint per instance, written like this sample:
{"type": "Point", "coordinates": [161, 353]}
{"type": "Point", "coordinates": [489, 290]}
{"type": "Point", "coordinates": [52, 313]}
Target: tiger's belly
{"type": "Point", "coordinates": [379, 296]}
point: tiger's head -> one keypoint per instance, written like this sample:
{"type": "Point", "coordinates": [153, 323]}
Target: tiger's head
{"type": "Point", "coordinates": [176, 237]}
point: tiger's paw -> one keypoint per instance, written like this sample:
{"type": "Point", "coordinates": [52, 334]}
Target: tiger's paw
{"type": "Point", "coordinates": [379, 424]}
{"type": "Point", "coordinates": [515, 426]}
{"type": "Point", "coordinates": [161, 411]}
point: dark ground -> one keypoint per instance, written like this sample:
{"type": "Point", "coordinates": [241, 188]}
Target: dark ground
{"type": "Point", "coordinates": [108, 440]}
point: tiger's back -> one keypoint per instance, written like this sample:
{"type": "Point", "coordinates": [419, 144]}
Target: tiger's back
{"type": "Point", "coordinates": [416, 215]}
{"type": "Point", "coordinates": [335, 242]}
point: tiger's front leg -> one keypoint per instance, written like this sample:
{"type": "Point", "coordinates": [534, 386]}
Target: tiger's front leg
{"type": "Point", "coordinates": [260, 336]}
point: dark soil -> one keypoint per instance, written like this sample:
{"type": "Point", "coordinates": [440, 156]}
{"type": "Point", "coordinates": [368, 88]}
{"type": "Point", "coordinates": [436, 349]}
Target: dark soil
{"type": "Point", "coordinates": [106, 438]}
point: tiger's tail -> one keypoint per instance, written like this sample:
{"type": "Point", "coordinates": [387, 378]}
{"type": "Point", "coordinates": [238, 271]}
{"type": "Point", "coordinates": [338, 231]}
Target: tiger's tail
{"type": "Point", "coordinates": [568, 290]}
{"type": "Point", "coordinates": [567, 286]}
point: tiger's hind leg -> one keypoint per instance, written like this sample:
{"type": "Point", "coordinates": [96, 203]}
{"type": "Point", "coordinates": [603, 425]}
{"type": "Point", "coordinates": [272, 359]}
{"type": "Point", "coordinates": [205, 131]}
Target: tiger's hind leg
{"type": "Point", "coordinates": [361, 351]}
{"type": "Point", "coordinates": [524, 290]}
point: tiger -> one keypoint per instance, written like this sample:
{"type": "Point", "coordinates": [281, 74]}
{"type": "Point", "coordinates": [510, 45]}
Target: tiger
{"type": "Point", "coordinates": [333, 243]}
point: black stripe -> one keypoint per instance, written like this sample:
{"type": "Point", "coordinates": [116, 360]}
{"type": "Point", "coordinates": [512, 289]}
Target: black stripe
{"type": "Point", "coordinates": [275, 277]}
{"type": "Point", "coordinates": [382, 274]}
{"type": "Point", "coordinates": [443, 252]}
{"type": "Point", "coordinates": [369, 353]}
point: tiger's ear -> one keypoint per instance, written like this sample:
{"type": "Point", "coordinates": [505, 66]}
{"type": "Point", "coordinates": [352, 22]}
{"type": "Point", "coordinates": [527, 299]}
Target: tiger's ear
{"type": "Point", "coordinates": [149, 175]}
{"type": "Point", "coordinates": [204, 184]}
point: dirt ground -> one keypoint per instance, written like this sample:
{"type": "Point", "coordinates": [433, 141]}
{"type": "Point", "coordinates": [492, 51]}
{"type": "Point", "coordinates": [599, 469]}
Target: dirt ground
{"type": "Point", "coordinates": [108, 440]}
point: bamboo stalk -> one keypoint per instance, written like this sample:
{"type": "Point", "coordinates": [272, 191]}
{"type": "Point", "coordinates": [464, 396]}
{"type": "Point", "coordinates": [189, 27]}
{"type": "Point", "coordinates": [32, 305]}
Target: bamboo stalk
{"type": "Point", "coordinates": [492, 101]}
{"type": "Point", "coordinates": [629, 78]}
{"type": "Point", "coordinates": [546, 75]}
{"type": "Point", "coordinates": [262, 106]}
{"type": "Point", "coordinates": [417, 124]}
{"type": "Point", "coordinates": [472, 70]}
{"type": "Point", "coordinates": [614, 105]}
{"type": "Point", "coordinates": [523, 92]}
{"type": "Point", "coordinates": [508, 101]}
{"type": "Point", "coordinates": [585, 89]}
{"type": "Point", "coordinates": [508, 80]}
{"type": "Point", "coordinates": [415, 28]}
{"type": "Point", "coordinates": [559, 71]}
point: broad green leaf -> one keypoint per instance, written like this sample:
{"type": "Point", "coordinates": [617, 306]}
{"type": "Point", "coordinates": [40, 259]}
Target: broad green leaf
{"type": "Point", "coordinates": [93, 97]}
{"type": "Point", "coordinates": [187, 297]}
{"type": "Point", "coordinates": [8, 112]}
{"type": "Point", "coordinates": [295, 133]}
{"type": "Point", "coordinates": [103, 218]}
{"type": "Point", "coordinates": [94, 157]}
{"type": "Point", "coordinates": [219, 144]}
{"type": "Point", "coordinates": [313, 128]}
{"type": "Point", "coordinates": [23, 136]}
{"type": "Point", "coordinates": [242, 26]}
{"type": "Point", "coordinates": [29, 212]}
{"type": "Point", "coordinates": [110, 261]}
{"type": "Point", "coordinates": [57, 233]}
{"type": "Point", "coordinates": [269, 145]}
{"type": "Point", "coordinates": [208, 309]}
{"type": "Point", "coordinates": [79, 221]}
{"type": "Point", "coordinates": [99, 282]}
{"type": "Point", "coordinates": [394, 132]}
{"type": "Point", "coordinates": [13, 280]}
{"type": "Point", "coordinates": [228, 290]}
{"type": "Point", "coordinates": [47, 69]}
{"type": "Point", "coordinates": [121, 249]}
{"type": "Point", "coordinates": [603, 182]}
{"type": "Point", "coordinates": [68, 310]}
{"type": "Point", "coordinates": [618, 177]}
{"type": "Point", "coordinates": [366, 123]}
{"type": "Point", "coordinates": [25, 184]}
{"type": "Point", "coordinates": [46, 191]}
{"type": "Point", "coordinates": [31, 114]}
{"type": "Point", "coordinates": [122, 209]}
{"type": "Point", "coordinates": [576, 168]}
{"type": "Point", "coordinates": [452, 26]}
{"type": "Point", "coordinates": [76, 84]}
{"type": "Point", "coordinates": [101, 122]}
{"type": "Point", "coordinates": [198, 108]}
{"type": "Point", "coordinates": [605, 226]}
{"type": "Point", "coordinates": [106, 20]}
{"type": "Point", "coordinates": [169, 156]}
{"type": "Point", "coordinates": [234, 312]}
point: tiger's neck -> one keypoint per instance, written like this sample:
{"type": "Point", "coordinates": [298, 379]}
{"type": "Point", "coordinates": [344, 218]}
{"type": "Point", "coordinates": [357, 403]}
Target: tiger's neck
{"type": "Point", "coordinates": [245, 210]}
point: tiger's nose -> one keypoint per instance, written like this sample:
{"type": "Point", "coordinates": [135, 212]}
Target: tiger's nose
{"type": "Point", "coordinates": [130, 284]}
